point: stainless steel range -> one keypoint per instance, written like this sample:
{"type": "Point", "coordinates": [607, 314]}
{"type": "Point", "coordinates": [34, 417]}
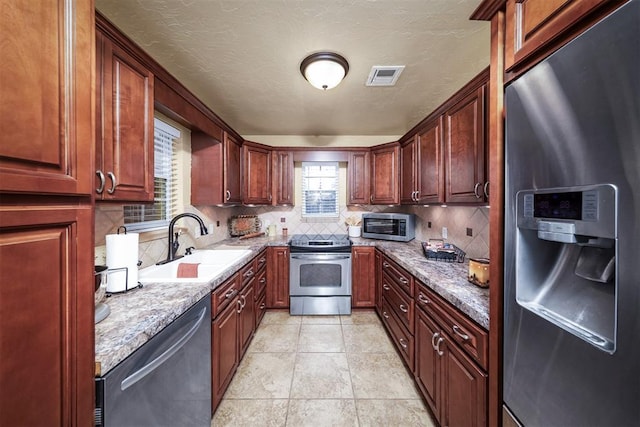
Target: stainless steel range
{"type": "Point", "coordinates": [320, 274]}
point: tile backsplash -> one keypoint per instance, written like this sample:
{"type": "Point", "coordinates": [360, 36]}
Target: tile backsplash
{"type": "Point", "coordinates": [153, 245]}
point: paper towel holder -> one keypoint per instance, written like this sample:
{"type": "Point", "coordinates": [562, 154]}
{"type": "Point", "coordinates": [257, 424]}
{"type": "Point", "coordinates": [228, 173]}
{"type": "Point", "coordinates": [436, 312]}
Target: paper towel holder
{"type": "Point", "coordinates": [126, 281]}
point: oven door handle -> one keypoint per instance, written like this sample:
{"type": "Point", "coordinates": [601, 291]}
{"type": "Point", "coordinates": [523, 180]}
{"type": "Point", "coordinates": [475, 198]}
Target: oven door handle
{"type": "Point", "coordinates": [320, 257]}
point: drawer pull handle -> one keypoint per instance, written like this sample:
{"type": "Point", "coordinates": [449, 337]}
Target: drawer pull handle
{"type": "Point", "coordinates": [433, 340]}
{"type": "Point", "coordinates": [440, 341]}
{"type": "Point", "coordinates": [228, 195]}
{"type": "Point", "coordinates": [423, 299]}
{"type": "Point", "coordinates": [249, 273]}
{"type": "Point", "coordinates": [386, 265]}
{"type": "Point", "coordinates": [457, 331]}
{"type": "Point", "coordinates": [239, 310]}
{"type": "Point", "coordinates": [243, 300]}
{"type": "Point", "coordinates": [384, 313]}
{"type": "Point", "coordinates": [403, 343]}
{"type": "Point", "coordinates": [262, 260]}
{"type": "Point", "coordinates": [262, 306]}
{"type": "Point", "coordinates": [385, 287]}
{"type": "Point", "coordinates": [263, 280]}
{"type": "Point", "coordinates": [229, 294]}
{"type": "Point", "coordinates": [403, 280]}
{"type": "Point", "coordinates": [403, 308]}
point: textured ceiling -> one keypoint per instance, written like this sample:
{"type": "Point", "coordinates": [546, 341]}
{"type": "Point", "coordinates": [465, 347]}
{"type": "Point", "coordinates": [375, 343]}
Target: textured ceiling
{"type": "Point", "coordinates": [242, 58]}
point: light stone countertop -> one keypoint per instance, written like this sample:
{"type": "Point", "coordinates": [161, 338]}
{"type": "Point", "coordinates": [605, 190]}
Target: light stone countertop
{"type": "Point", "coordinates": [140, 314]}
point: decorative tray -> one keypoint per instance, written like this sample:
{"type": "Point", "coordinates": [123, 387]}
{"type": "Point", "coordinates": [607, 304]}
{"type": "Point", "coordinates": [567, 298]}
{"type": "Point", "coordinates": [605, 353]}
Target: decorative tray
{"type": "Point", "coordinates": [447, 252]}
{"type": "Point", "coordinates": [241, 225]}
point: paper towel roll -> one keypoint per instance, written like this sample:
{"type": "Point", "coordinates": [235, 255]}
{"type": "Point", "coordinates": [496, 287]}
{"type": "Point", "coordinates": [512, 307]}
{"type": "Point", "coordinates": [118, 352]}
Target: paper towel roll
{"type": "Point", "coordinates": [122, 251]}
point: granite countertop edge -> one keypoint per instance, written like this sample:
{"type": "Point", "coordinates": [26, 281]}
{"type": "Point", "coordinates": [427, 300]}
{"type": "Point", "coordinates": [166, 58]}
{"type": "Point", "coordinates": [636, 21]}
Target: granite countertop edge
{"type": "Point", "coordinates": [134, 319]}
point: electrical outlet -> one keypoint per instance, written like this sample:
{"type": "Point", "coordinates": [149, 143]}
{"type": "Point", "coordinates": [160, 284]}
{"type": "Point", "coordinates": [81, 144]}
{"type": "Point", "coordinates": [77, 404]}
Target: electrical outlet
{"type": "Point", "coordinates": [283, 219]}
{"type": "Point", "coordinates": [469, 232]}
{"type": "Point", "coordinates": [445, 232]}
{"type": "Point", "coordinates": [428, 224]}
{"type": "Point", "coordinates": [217, 223]}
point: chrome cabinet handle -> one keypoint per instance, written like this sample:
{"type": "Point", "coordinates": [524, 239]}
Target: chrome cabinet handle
{"type": "Point", "coordinates": [228, 194]}
{"type": "Point", "coordinates": [403, 308]}
{"type": "Point", "coordinates": [243, 299]}
{"type": "Point", "coordinates": [262, 306]}
{"type": "Point", "coordinates": [249, 273]}
{"type": "Point", "coordinates": [486, 189]}
{"type": "Point", "coordinates": [457, 331]}
{"type": "Point", "coordinates": [403, 343]}
{"type": "Point", "coordinates": [263, 280]}
{"type": "Point", "coordinates": [269, 197]}
{"type": "Point", "coordinates": [371, 198]}
{"type": "Point", "coordinates": [417, 195]}
{"type": "Point", "coordinates": [262, 260]}
{"type": "Point", "coordinates": [229, 294]}
{"type": "Point", "coordinates": [433, 340]}
{"type": "Point", "coordinates": [239, 310]}
{"type": "Point", "coordinates": [386, 265]}
{"type": "Point", "coordinates": [403, 280]}
{"type": "Point", "coordinates": [100, 189]}
{"type": "Point", "coordinates": [423, 299]}
{"type": "Point", "coordinates": [114, 182]}
{"type": "Point", "coordinates": [385, 315]}
{"type": "Point", "coordinates": [440, 341]}
{"type": "Point", "coordinates": [475, 190]}
{"type": "Point", "coordinates": [386, 287]}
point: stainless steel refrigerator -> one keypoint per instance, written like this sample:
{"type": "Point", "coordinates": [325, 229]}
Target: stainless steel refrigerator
{"type": "Point", "coordinates": [572, 232]}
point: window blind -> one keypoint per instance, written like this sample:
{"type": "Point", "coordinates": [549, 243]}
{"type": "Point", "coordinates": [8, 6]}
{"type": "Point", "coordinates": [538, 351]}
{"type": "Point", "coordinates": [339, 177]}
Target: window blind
{"type": "Point", "coordinates": [166, 139]}
{"type": "Point", "coordinates": [320, 189]}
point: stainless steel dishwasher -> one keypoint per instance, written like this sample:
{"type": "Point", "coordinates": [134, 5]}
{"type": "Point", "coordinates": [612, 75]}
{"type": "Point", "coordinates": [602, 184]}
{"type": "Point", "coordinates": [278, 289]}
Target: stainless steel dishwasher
{"type": "Point", "coordinates": [167, 381]}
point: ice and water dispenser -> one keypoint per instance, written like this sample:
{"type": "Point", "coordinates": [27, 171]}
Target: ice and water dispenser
{"type": "Point", "coordinates": [566, 250]}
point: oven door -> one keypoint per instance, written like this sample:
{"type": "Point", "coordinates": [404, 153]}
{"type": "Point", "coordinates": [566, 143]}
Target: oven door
{"type": "Point", "coordinates": [320, 274]}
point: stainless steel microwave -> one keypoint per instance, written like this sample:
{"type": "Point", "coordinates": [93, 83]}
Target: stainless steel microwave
{"type": "Point", "coordinates": [388, 226]}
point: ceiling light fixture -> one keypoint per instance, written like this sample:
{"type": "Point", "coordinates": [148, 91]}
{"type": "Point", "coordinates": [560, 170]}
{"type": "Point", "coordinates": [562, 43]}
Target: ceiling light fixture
{"type": "Point", "coordinates": [324, 70]}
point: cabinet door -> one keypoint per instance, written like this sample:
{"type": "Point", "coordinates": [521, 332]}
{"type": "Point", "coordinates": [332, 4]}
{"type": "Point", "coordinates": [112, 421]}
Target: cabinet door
{"type": "Point", "coordinates": [430, 170]}
{"type": "Point", "coordinates": [46, 313]}
{"type": "Point", "coordinates": [232, 172]}
{"type": "Point", "coordinates": [257, 175]}
{"type": "Point", "coordinates": [532, 25]}
{"type": "Point", "coordinates": [247, 314]}
{"type": "Point", "coordinates": [408, 178]}
{"type": "Point", "coordinates": [363, 277]}
{"type": "Point", "coordinates": [125, 144]}
{"type": "Point", "coordinates": [224, 351]}
{"type": "Point", "coordinates": [278, 277]}
{"type": "Point", "coordinates": [283, 178]}
{"type": "Point", "coordinates": [464, 400]}
{"type": "Point", "coordinates": [385, 164]}
{"type": "Point", "coordinates": [207, 171]}
{"type": "Point", "coordinates": [428, 366]}
{"type": "Point", "coordinates": [465, 149]}
{"type": "Point", "coordinates": [358, 182]}
{"type": "Point", "coordinates": [46, 101]}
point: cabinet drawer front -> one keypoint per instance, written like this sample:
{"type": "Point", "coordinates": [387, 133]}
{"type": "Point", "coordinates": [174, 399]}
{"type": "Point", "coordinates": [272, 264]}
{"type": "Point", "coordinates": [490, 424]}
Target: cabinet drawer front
{"type": "Point", "coordinates": [401, 337]}
{"type": "Point", "coordinates": [261, 282]}
{"type": "Point", "coordinates": [398, 301]}
{"type": "Point", "coordinates": [223, 295]}
{"type": "Point", "coordinates": [261, 261]}
{"type": "Point", "coordinates": [472, 338]}
{"type": "Point", "coordinates": [248, 272]}
{"type": "Point", "coordinates": [398, 275]}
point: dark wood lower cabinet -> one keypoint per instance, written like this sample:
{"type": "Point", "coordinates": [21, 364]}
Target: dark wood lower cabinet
{"type": "Point", "coordinates": [454, 387]}
{"type": "Point", "coordinates": [247, 317]}
{"type": "Point", "coordinates": [363, 277]}
{"type": "Point", "coordinates": [224, 351]}
{"type": "Point", "coordinates": [378, 278]}
{"type": "Point", "coordinates": [278, 277]}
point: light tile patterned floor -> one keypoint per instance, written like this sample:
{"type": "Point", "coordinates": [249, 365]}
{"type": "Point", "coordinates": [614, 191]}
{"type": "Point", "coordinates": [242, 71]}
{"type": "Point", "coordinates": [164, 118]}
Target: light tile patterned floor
{"type": "Point", "coordinates": [321, 371]}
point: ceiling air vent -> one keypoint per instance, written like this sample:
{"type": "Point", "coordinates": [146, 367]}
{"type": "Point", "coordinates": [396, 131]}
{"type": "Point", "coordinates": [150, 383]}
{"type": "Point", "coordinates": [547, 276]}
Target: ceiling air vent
{"type": "Point", "coordinates": [384, 75]}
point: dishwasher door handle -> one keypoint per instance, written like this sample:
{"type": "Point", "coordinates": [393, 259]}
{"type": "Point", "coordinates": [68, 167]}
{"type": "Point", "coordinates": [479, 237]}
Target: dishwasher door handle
{"type": "Point", "coordinates": [166, 355]}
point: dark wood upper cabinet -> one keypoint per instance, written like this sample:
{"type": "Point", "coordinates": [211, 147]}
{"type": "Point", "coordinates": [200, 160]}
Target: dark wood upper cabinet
{"type": "Point", "coordinates": [534, 29]}
{"type": "Point", "coordinates": [430, 169]}
{"type": "Point", "coordinates": [124, 125]}
{"type": "Point", "coordinates": [256, 176]}
{"type": "Point", "coordinates": [46, 100]}
{"type": "Point", "coordinates": [385, 165]}
{"type": "Point", "coordinates": [464, 149]}
{"type": "Point", "coordinates": [408, 167]}
{"type": "Point", "coordinates": [283, 187]}
{"type": "Point", "coordinates": [358, 182]}
{"type": "Point", "coordinates": [215, 170]}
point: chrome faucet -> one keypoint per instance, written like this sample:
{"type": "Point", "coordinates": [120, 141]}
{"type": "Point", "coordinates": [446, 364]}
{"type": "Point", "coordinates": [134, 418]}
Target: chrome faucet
{"type": "Point", "coordinates": [173, 244]}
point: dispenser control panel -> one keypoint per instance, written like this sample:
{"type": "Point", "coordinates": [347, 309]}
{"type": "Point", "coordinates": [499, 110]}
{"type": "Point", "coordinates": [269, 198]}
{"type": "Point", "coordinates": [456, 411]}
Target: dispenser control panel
{"type": "Point", "coordinates": [571, 205]}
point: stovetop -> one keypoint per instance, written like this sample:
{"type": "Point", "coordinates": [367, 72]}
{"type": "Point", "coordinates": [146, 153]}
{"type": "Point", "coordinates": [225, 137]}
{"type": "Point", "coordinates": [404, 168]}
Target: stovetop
{"type": "Point", "coordinates": [320, 242]}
